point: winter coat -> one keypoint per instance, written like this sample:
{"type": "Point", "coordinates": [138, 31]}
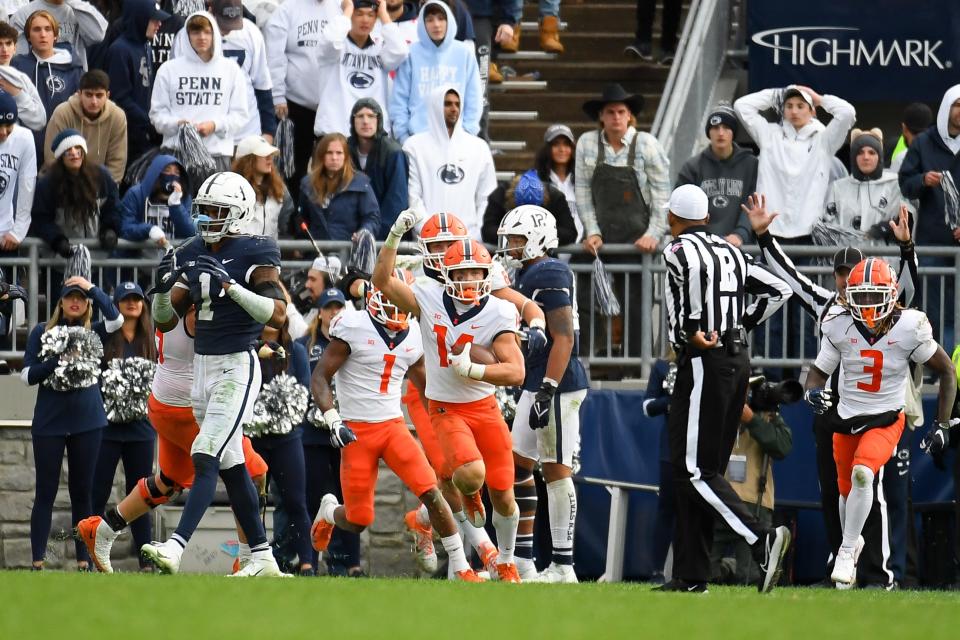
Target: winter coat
{"type": "Point", "coordinates": [727, 183]}
{"type": "Point", "coordinates": [862, 204]}
{"type": "Point", "coordinates": [347, 212]}
{"type": "Point", "coordinates": [51, 223]}
{"type": "Point", "coordinates": [138, 215]}
{"type": "Point", "coordinates": [132, 72]}
{"type": "Point", "coordinates": [106, 136]}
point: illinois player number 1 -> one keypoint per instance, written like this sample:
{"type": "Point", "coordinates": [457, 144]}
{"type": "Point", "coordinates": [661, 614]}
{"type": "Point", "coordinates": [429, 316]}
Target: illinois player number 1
{"type": "Point", "coordinates": [441, 333]}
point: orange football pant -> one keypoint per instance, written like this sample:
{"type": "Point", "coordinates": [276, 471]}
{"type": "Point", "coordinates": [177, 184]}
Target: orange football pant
{"type": "Point", "coordinates": [470, 431]}
{"type": "Point", "coordinates": [871, 448]}
{"type": "Point", "coordinates": [425, 432]}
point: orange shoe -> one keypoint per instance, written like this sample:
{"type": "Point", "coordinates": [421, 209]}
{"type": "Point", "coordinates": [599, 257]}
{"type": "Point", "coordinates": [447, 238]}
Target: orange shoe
{"type": "Point", "coordinates": [321, 530]}
{"type": "Point", "coordinates": [507, 572]}
{"type": "Point", "coordinates": [98, 537]}
{"type": "Point", "coordinates": [236, 565]}
{"type": "Point", "coordinates": [488, 556]}
{"type": "Point", "coordinates": [473, 507]}
{"type": "Point", "coordinates": [468, 575]}
{"type": "Point", "coordinates": [425, 553]}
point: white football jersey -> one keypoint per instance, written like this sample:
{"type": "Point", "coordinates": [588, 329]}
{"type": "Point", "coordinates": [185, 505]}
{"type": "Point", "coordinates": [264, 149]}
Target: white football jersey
{"type": "Point", "coordinates": [874, 368]}
{"type": "Point", "coordinates": [174, 376]}
{"type": "Point", "coordinates": [443, 328]}
{"type": "Point", "coordinates": [369, 383]}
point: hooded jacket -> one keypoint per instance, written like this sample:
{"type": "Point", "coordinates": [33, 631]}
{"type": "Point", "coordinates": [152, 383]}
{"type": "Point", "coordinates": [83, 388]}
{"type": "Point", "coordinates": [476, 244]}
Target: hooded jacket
{"type": "Point", "coordinates": [18, 178]}
{"type": "Point", "coordinates": [861, 204]}
{"type": "Point", "coordinates": [132, 71]}
{"type": "Point", "coordinates": [386, 167]}
{"type": "Point", "coordinates": [106, 136]}
{"type": "Point", "coordinates": [348, 211]}
{"type": "Point", "coordinates": [80, 25]}
{"type": "Point", "coordinates": [452, 173]}
{"type": "Point", "coordinates": [794, 165]}
{"type": "Point", "coordinates": [351, 71]}
{"type": "Point", "coordinates": [187, 88]}
{"type": "Point", "coordinates": [727, 184]}
{"type": "Point", "coordinates": [30, 108]}
{"type": "Point", "coordinates": [429, 66]}
{"type": "Point", "coordinates": [138, 215]}
{"type": "Point", "coordinates": [932, 150]}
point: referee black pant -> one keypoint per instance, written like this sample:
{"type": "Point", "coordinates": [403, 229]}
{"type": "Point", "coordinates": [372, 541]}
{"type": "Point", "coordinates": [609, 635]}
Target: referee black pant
{"type": "Point", "coordinates": [705, 409]}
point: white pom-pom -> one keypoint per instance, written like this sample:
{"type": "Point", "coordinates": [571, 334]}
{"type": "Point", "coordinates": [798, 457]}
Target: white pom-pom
{"type": "Point", "coordinates": [279, 408]}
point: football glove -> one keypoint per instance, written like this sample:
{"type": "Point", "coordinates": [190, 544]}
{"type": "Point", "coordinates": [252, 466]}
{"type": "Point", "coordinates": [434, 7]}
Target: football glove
{"type": "Point", "coordinates": [406, 221]}
{"type": "Point", "coordinates": [168, 272]}
{"type": "Point", "coordinates": [540, 410]}
{"type": "Point", "coordinates": [820, 399]}
{"type": "Point", "coordinates": [938, 437]}
{"type": "Point", "coordinates": [340, 434]}
{"type": "Point", "coordinates": [462, 365]}
{"type": "Point", "coordinates": [536, 339]}
{"type": "Point", "coordinates": [212, 266]}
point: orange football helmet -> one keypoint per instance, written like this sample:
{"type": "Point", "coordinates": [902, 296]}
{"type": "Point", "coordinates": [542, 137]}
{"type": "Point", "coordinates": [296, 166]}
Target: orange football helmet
{"type": "Point", "coordinates": [436, 235]}
{"type": "Point", "coordinates": [871, 291]}
{"type": "Point", "coordinates": [384, 311]}
{"type": "Point", "coordinates": [461, 256]}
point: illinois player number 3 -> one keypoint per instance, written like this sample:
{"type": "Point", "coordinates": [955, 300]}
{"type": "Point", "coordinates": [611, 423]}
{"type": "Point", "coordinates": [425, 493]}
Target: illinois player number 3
{"type": "Point", "coordinates": [875, 370]}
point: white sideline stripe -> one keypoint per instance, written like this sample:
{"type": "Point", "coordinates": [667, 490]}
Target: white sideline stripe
{"type": "Point", "coordinates": [693, 432]}
{"type": "Point", "coordinates": [884, 527]}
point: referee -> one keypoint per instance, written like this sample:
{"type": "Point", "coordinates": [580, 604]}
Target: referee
{"type": "Point", "coordinates": [708, 280]}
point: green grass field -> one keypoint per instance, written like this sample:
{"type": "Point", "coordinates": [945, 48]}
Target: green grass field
{"type": "Point", "coordinates": [77, 606]}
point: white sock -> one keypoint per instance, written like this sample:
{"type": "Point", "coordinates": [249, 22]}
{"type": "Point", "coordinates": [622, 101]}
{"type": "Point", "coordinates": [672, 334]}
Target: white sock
{"type": "Point", "coordinates": [472, 535]}
{"type": "Point", "coordinates": [423, 516]}
{"type": "Point", "coordinates": [262, 554]}
{"type": "Point", "coordinates": [842, 506]}
{"type": "Point", "coordinates": [243, 551]}
{"type": "Point", "coordinates": [326, 512]}
{"type": "Point", "coordinates": [506, 527]}
{"type": "Point", "coordinates": [857, 505]}
{"type": "Point", "coordinates": [562, 506]}
{"type": "Point", "coordinates": [453, 545]}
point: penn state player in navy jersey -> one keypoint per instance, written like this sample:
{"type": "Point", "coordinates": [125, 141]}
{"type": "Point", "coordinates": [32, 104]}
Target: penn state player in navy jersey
{"type": "Point", "coordinates": [547, 422]}
{"type": "Point", "coordinates": [234, 282]}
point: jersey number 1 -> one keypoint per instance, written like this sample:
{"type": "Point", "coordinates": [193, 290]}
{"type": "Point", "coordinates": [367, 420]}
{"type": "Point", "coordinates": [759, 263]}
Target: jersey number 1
{"type": "Point", "coordinates": [205, 312]}
{"type": "Point", "coordinates": [875, 370]}
{"type": "Point", "coordinates": [441, 333]}
{"type": "Point", "coordinates": [388, 360]}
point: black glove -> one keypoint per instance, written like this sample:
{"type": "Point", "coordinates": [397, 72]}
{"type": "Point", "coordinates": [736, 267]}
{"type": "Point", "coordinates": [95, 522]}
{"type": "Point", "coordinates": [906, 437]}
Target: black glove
{"type": "Point", "coordinates": [62, 246]}
{"type": "Point", "coordinates": [212, 266]}
{"type": "Point", "coordinates": [108, 239]}
{"type": "Point", "coordinates": [540, 410]}
{"type": "Point", "coordinates": [168, 272]}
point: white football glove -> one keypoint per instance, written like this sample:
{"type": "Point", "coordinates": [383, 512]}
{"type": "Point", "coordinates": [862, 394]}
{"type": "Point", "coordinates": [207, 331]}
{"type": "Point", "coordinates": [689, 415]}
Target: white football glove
{"type": "Point", "coordinates": [464, 367]}
{"type": "Point", "coordinates": [406, 221]}
{"type": "Point", "coordinates": [340, 434]}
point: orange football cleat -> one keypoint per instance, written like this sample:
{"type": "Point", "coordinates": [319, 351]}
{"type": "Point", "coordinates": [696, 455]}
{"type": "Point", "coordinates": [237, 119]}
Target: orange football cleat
{"type": "Point", "coordinates": [426, 554]}
{"type": "Point", "coordinates": [473, 507]}
{"type": "Point", "coordinates": [468, 575]}
{"type": "Point", "coordinates": [507, 572]}
{"type": "Point", "coordinates": [488, 556]}
{"type": "Point", "coordinates": [320, 534]}
{"type": "Point", "coordinates": [99, 549]}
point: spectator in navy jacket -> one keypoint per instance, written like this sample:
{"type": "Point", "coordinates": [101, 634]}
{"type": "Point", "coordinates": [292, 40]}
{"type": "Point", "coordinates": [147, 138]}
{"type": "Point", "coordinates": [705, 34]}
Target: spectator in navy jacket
{"type": "Point", "coordinates": [131, 70]}
{"type": "Point", "coordinates": [337, 202]}
{"type": "Point", "coordinates": [71, 420]}
{"type": "Point", "coordinates": [158, 208]}
{"type": "Point", "coordinates": [381, 159]}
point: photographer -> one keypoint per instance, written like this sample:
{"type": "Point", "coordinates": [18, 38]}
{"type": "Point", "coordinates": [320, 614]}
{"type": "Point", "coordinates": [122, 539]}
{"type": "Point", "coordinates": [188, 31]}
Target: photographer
{"type": "Point", "coordinates": [762, 437]}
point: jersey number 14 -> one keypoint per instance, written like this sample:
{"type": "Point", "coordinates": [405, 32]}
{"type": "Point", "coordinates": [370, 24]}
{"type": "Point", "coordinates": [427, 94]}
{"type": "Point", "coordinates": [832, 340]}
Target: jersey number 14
{"type": "Point", "coordinates": [441, 333]}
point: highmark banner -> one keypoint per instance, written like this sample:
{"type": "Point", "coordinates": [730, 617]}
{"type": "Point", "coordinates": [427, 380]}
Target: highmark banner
{"type": "Point", "coordinates": [900, 50]}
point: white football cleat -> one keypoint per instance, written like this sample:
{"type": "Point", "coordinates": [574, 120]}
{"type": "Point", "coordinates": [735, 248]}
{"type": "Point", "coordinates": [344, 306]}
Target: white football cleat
{"type": "Point", "coordinates": [557, 574]}
{"type": "Point", "coordinates": [527, 570]}
{"type": "Point", "coordinates": [775, 545]}
{"type": "Point", "coordinates": [261, 568]}
{"type": "Point", "coordinates": [845, 566]}
{"type": "Point", "coordinates": [165, 556]}
{"type": "Point", "coordinates": [98, 537]}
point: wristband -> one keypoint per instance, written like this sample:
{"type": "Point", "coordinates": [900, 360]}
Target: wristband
{"type": "Point", "coordinates": [550, 381]}
{"type": "Point", "coordinates": [476, 371]}
{"type": "Point", "coordinates": [331, 416]}
{"type": "Point", "coordinates": [392, 241]}
{"type": "Point", "coordinates": [259, 307]}
{"type": "Point", "coordinates": [537, 322]}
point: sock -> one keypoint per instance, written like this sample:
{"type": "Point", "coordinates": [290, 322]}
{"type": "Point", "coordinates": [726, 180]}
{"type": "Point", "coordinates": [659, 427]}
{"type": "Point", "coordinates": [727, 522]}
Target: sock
{"type": "Point", "coordinates": [200, 496]}
{"type": "Point", "coordinates": [327, 512]}
{"type": "Point", "coordinates": [453, 545]}
{"type": "Point", "coordinates": [246, 506]}
{"type": "Point", "coordinates": [244, 551]}
{"type": "Point", "coordinates": [506, 527]}
{"type": "Point", "coordinates": [526, 495]}
{"type": "Point", "coordinates": [473, 536]}
{"type": "Point", "coordinates": [562, 505]}
{"type": "Point", "coordinates": [857, 505]}
{"type": "Point", "coordinates": [423, 516]}
{"type": "Point", "coordinates": [115, 521]}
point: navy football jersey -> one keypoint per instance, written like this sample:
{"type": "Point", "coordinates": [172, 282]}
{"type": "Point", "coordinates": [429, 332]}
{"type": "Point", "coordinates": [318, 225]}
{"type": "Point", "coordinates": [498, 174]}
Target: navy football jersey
{"type": "Point", "coordinates": [550, 284]}
{"type": "Point", "coordinates": [222, 325]}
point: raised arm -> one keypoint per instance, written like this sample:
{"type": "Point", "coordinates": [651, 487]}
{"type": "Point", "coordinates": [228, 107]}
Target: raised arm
{"type": "Point", "coordinates": [770, 293]}
{"type": "Point", "coordinates": [396, 290]}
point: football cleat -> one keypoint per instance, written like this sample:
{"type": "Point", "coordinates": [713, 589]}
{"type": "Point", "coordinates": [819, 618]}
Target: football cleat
{"type": "Point", "coordinates": [473, 508]}
{"type": "Point", "coordinates": [467, 575]}
{"type": "Point", "coordinates": [321, 531]}
{"type": "Point", "coordinates": [775, 545]}
{"type": "Point", "coordinates": [527, 570]}
{"type": "Point", "coordinates": [239, 564]}
{"type": "Point", "coordinates": [681, 586]}
{"type": "Point", "coordinates": [845, 566]}
{"type": "Point", "coordinates": [165, 556]}
{"type": "Point", "coordinates": [424, 551]}
{"type": "Point", "coordinates": [507, 572]}
{"type": "Point", "coordinates": [97, 535]}
{"type": "Point", "coordinates": [261, 568]}
{"type": "Point", "coordinates": [488, 556]}
{"type": "Point", "coordinates": [557, 574]}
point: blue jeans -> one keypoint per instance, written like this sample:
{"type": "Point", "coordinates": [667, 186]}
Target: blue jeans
{"type": "Point", "coordinates": [513, 9]}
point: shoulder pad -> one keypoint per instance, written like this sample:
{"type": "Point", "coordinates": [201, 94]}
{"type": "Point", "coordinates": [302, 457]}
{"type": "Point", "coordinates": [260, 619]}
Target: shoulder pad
{"type": "Point", "coordinates": [549, 273]}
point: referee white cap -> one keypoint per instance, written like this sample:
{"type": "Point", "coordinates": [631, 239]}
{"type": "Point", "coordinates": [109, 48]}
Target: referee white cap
{"type": "Point", "coordinates": [689, 202]}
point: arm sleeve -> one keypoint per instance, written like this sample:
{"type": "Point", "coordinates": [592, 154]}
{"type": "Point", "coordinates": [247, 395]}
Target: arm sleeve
{"type": "Point", "coordinates": [748, 109]}
{"type": "Point", "coordinates": [655, 398]}
{"type": "Point", "coordinates": [909, 278]}
{"type": "Point", "coordinates": [331, 38]}
{"type": "Point", "coordinates": [112, 320]}
{"type": "Point", "coordinates": [297, 326]}
{"type": "Point", "coordinates": [829, 357]}
{"type": "Point", "coordinates": [116, 160]}
{"type": "Point", "coordinates": [30, 108]}
{"type": "Point", "coordinates": [926, 346]}
{"type": "Point", "coordinates": [656, 166]}
{"type": "Point", "coordinates": [395, 198]}
{"type": "Point", "coordinates": [683, 271]}
{"type": "Point", "coordinates": [237, 114]}
{"type": "Point", "coordinates": [26, 184]}
{"type": "Point", "coordinates": [584, 197]}
{"type": "Point", "coordinates": [43, 224]}
{"type": "Point", "coordinates": [268, 118]}
{"type": "Point", "coordinates": [844, 115]}
{"type": "Point", "coordinates": [286, 212]}
{"type": "Point", "coordinates": [131, 228]}
{"type": "Point", "coordinates": [769, 291]}
{"type": "Point", "coordinates": [182, 219]}
{"type": "Point", "coordinates": [91, 25]}
{"type": "Point", "coordinates": [370, 215]}
{"type": "Point", "coordinates": [395, 49]}
{"type": "Point", "coordinates": [120, 67]}
{"type": "Point", "coordinates": [773, 436]}
{"type": "Point", "coordinates": [812, 296]}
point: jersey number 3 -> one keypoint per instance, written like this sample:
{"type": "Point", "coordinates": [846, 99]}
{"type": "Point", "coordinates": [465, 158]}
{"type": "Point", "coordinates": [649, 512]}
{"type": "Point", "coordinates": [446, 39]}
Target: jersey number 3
{"type": "Point", "coordinates": [441, 333]}
{"type": "Point", "coordinates": [875, 370]}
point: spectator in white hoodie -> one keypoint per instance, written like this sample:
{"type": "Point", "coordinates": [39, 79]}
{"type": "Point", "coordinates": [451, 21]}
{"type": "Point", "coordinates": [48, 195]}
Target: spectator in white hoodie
{"type": "Point", "coordinates": [355, 62]}
{"type": "Point", "coordinates": [18, 84]}
{"type": "Point", "coordinates": [199, 86]}
{"type": "Point", "coordinates": [795, 153]}
{"type": "Point", "coordinates": [451, 171]}
{"type": "Point", "coordinates": [18, 176]}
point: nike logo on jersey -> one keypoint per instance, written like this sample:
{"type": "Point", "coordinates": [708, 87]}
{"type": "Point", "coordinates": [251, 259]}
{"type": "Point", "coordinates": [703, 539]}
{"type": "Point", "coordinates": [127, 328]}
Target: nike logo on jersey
{"type": "Point", "coordinates": [228, 260]}
{"type": "Point", "coordinates": [227, 370]}
{"type": "Point", "coordinates": [891, 341]}
{"type": "Point", "coordinates": [475, 326]}
{"type": "Point", "coordinates": [409, 349]}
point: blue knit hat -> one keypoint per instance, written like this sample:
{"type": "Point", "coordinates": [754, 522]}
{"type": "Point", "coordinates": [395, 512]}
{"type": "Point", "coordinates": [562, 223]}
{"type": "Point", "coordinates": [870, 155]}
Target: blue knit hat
{"type": "Point", "coordinates": [529, 189]}
{"type": "Point", "coordinates": [8, 108]}
{"type": "Point", "coordinates": [67, 139]}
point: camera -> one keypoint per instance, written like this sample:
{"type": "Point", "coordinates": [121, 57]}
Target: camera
{"type": "Point", "coordinates": [169, 187]}
{"type": "Point", "coordinates": [768, 396]}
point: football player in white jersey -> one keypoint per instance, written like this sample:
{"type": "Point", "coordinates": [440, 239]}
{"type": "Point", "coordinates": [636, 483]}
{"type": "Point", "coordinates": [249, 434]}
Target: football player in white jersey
{"type": "Point", "coordinates": [369, 354]}
{"type": "Point", "coordinates": [474, 438]}
{"type": "Point", "coordinates": [872, 341]}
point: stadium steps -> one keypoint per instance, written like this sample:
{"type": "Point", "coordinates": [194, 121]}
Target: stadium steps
{"type": "Point", "coordinates": [552, 88]}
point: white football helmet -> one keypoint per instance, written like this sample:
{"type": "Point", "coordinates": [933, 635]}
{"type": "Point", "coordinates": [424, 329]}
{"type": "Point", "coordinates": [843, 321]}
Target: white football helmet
{"type": "Point", "coordinates": [534, 223]}
{"type": "Point", "coordinates": [224, 201]}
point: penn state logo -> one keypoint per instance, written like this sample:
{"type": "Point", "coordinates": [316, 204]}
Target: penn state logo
{"type": "Point", "coordinates": [715, 120]}
{"type": "Point", "coordinates": [360, 80]}
{"type": "Point", "coordinates": [55, 84]}
{"type": "Point", "coordinates": [450, 174]}
{"type": "Point", "coordinates": [4, 181]}
{"type": "Point", "coordinates": [883, 202]}
{"type": "Point", "coordinates": [720, 201]}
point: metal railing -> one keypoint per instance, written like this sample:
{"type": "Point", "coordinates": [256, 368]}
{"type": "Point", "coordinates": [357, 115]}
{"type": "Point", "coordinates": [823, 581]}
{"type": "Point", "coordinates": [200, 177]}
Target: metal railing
{"type": "Point", "coordinates": [626, 346]}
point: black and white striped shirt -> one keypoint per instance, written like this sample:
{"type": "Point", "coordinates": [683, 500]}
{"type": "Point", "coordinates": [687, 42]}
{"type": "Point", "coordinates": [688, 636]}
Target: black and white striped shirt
{"type": "Point", "coordinates": [708, 280]}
